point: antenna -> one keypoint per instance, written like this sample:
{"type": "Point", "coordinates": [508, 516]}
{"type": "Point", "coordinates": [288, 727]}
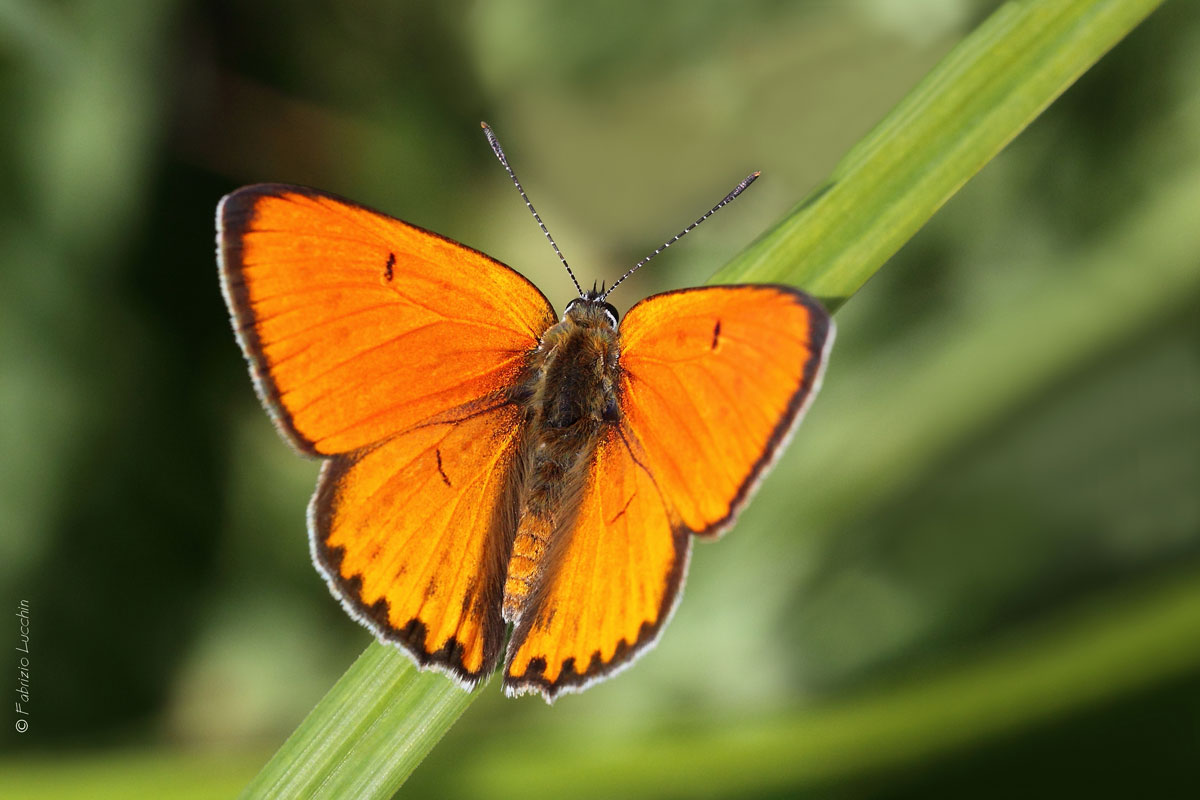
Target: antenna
{"type": "Point", "coordinates": [741, 187]}
{"type": "Point", "coordinates": [495, 143]}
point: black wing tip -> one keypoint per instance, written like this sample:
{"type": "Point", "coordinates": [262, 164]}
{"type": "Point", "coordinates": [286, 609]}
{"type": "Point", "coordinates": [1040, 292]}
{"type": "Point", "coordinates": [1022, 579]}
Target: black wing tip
{"type": "Point", "coordinates": [236, 209]}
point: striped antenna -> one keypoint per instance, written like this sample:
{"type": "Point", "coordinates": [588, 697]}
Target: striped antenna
{"type": "Point", "coordinates": [495, 143]}
{"type": "Point", "coordinates": [741, 187]}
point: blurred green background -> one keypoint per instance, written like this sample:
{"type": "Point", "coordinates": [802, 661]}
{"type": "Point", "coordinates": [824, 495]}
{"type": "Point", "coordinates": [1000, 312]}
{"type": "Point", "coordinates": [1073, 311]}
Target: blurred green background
{"type": "Point", "coordinates": [976, 572]}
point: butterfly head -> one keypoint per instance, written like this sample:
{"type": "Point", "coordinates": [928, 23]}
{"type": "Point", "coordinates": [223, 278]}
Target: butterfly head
{"type": "Point", "coordinates": [590, 310]}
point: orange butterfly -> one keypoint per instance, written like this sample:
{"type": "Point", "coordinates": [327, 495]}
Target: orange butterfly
{"type": "Point", "coordinates": [487, 463]}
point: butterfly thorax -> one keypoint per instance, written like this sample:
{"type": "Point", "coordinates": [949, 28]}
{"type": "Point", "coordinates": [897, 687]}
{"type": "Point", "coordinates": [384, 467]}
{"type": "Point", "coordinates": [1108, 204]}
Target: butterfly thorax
{"type": "Point", "coordinates": [570, 395]}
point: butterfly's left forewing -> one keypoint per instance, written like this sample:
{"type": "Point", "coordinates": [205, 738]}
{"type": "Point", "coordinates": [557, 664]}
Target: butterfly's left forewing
{"type": "Point", "coordinates": [713, 380]}
{"type": "Point", "coordinates": [357, 325]}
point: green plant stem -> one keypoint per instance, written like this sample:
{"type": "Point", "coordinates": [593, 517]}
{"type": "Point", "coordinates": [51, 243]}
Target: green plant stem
{"type": "Point", "coordinates": [368, 734]}
{"type": "Point", "coordinates": [377, 723]}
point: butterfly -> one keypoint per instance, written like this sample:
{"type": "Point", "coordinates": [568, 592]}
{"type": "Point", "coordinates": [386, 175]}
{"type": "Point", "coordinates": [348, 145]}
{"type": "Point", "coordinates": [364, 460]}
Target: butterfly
{"type": "Point", "coordinates": [489, 464]}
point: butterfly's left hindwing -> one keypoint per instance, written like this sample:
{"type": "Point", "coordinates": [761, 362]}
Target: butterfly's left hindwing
{"type": "Point", "coordinates": [712, 382]}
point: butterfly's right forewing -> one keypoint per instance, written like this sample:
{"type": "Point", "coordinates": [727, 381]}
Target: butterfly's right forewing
{"type": "Point", "coordinates": [714, 381]}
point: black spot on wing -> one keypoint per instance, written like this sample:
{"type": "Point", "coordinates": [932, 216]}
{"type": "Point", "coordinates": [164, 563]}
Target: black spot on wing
{"type": "Point", "coordinates": [442, 472]}
{"type": "Point", "coordinates": [624, 508]}
{"type": "Point", "coordinates": [388, 273]}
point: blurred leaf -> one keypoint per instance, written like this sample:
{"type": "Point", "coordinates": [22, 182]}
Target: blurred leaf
{"type": "Point", "coordinates": [109, 775]}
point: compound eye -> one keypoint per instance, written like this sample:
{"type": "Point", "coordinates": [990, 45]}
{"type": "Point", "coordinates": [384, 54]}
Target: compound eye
{"type": "Point", "coordinates": [571, 306]}
{"type": "Point", "coordinates": [611, 313]}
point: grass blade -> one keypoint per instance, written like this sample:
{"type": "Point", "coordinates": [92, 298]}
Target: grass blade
{"type": "Point", "coordinates": [368, 734]}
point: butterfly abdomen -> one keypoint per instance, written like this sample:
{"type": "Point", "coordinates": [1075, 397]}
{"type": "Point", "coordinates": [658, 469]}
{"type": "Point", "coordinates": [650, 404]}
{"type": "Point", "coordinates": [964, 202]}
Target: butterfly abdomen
{"type": "Point", "coordinates": [571, 398]}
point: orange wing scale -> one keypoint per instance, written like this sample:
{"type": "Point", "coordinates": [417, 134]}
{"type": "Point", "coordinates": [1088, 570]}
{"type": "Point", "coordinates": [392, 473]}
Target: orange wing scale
{"type": "Point", "coordinates": [389, 350]}
{"type": "Point", "coordinates": [713, 381]}
{"type": "Point", "coordinates": [358, 325]}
